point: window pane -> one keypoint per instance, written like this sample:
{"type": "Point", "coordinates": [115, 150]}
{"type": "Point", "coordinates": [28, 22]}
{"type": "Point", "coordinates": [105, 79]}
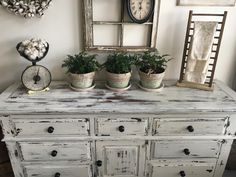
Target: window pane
{"type": "Point", "coordinates": [106, 35]}
{"type": "Point", "coordinates": [107, 10]}
{"type": "Point", "coordinates": [137, 35]}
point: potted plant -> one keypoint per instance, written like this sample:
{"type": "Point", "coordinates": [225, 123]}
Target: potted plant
{"type": "Point", "coordinates": [81, 69]}
{"type": "Point", "coordinates": [152, 66]}
{"type": "Point", "coordinates": [118, 68]}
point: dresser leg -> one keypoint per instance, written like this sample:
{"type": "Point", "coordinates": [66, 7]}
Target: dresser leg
{"type": "Point", "coordinates": [14, 155]}
{"type": "Point", "coordinates": [223, 157]}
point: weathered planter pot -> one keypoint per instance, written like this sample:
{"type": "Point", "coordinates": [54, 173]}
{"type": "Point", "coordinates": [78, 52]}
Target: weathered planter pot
{"type": "Point", "coordinates": [151, 81]}
{"type": "Point", "coordinates": [118, 80]}
{"type": "Point", "coordinates": [82, 81]}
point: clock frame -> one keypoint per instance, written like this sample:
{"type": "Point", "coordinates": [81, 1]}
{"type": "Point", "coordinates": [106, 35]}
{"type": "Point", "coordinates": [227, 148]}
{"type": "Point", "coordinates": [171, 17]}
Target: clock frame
{"type": "Point", "coordinates": [36, 78]}
{"type": "Point", "coordinates": [143, 20]}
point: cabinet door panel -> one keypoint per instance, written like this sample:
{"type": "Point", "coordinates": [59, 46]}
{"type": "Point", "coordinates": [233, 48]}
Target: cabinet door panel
{"type": "Point", "coordinates": [121, 159]}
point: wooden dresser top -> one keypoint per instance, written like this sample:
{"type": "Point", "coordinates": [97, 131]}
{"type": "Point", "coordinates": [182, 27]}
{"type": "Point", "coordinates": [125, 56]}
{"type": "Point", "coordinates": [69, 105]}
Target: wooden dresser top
{"type": "Point", "coordinates": [61, 99]}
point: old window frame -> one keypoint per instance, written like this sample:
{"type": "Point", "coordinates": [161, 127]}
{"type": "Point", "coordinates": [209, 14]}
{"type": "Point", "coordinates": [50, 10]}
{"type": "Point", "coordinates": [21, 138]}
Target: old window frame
{"type": "Point", "coordinates": [89, 37]}
{"type": "Point", "coordinates": [206, 2]}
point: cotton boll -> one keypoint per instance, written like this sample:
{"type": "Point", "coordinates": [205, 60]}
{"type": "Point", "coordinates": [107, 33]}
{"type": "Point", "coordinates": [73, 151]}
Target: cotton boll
{"type": "Point", "coordinates": [34, 44]}
{"type": "Point", "coordinates": [43, 50]}
{"type": "Point", "coordinates": [40, 55]}
{"type": "Point", "coordinates": [27, 52]}
{"type": "Point", "coordinates": [21, 10]}
{"type": "Point", "coordinates": [25, 43]}
{"type": "Point", "coordinates": [21, 49]}
{"type": "Point", "coordinates": [4, 3]}
{"type": "Point", "coordinates": [41, 46]}
{"type": "Point", "coordinates": [32, 57]}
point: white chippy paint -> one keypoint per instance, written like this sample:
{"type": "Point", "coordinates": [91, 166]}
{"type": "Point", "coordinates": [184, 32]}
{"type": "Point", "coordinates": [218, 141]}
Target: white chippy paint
{"type": "Point", "coordinates": [61, 127]}
{"type": "Point", "coordinates": [86, 129]}
{"type": "Point", "coordinates": [132, 126]}
{"type": "Point", "coordinates": [201, 125]}
{"type": "Point", "coordinates": [175, 149]}
{"type": "Point", "coordinates": [32, 151]}
{"type": "Point", "coordinates": [60, 99]}
{"type": "Point", "coordinates": [46, 171]}
{"type": "Point", "coordinates": [126, 158]}
{"type": "Point", "coordinates": [222, 160]}
{"type": "Point", "coordinates": [191, 169]}
{"type": "Point", "coordinates": [117, 138]}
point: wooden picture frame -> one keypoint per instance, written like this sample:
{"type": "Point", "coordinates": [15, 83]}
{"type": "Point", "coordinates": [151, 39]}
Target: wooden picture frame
{"type": "Point", "coordinates": [206, 2]}
{"type": "Point", "coordinates": [90, 23]}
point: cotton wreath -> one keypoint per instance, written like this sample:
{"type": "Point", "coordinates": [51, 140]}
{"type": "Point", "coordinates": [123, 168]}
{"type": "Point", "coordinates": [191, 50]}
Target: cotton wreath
{"type": "Point", "coordinates": [26, 8]}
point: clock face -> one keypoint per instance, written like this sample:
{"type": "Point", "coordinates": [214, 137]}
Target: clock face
{"type": "Point", "coordinates": [140, 10]}
{"type": "Point", "coordinates": [36, 78]}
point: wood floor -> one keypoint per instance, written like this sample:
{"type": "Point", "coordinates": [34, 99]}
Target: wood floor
{"type": "Point", "coordinates": [230, 174]}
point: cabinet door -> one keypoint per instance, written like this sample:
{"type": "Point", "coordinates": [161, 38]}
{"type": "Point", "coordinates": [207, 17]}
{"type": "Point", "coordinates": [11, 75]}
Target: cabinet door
{"type": "Point", "coordinates": [119, 159]}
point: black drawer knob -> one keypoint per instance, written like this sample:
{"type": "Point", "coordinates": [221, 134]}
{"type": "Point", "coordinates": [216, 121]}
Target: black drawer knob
{"type": "Point", "coordinates": [182, 174]}
{"type": "Point", "coordinates": [186, 151]}
{"type": "Point", "coordinates": [121, 128]}
{"type": "Point", "coordinates": [54, 153]}
{"type": "Point", "coordinates": [57, 175]}
{"type": "Point", "coordinates": [50, 129]}
{"type": "Point", "coordinates": [190, 128]}
{"type": "Point", "coordinates": [99, 163]}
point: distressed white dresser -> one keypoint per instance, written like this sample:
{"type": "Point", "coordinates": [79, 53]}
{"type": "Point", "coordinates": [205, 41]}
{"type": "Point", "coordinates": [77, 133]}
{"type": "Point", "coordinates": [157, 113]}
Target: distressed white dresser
{"type": "Point", "coordinates": [176, 133]}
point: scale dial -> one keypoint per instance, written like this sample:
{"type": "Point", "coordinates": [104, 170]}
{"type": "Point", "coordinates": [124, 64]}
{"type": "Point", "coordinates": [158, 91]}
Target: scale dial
{"type": "Point", "coordinates": [140, 11]}
{"type": "Point", "coordinates": [36, 78]}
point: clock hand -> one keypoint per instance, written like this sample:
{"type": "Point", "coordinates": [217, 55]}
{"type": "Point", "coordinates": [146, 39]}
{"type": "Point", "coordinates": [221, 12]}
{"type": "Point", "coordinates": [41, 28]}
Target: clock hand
{"type": "Point", "coordinates": [37, 77]}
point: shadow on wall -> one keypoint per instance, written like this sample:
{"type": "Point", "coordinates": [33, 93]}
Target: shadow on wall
{"type": "Point", "coordinates": [173, 43]}
{"type": "Point", "coordinates": [10, 69]}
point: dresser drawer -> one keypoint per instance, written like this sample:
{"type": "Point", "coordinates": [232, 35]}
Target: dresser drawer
{"type": "Point", "coordinates": [190, 126]}
{"type": "Point", "coordinates": [55, 151]}
{"type": "Point", "coordinates": [185, 149]}
{"type": "Point", "coordinates": [188, 169]}
{"type": "Point", "coordinates": [122, 126]}
{"type": "Point", "coordinates": [57, 171]}
{"type": "Point", "coordinates": [52, 127]}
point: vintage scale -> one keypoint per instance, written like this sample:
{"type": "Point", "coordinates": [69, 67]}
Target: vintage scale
{"type": "Point", "coordinates": [35, 78]}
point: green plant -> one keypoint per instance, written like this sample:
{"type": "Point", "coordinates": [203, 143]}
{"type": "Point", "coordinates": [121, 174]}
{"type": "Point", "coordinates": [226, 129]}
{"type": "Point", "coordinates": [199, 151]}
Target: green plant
{"type": "Point", "coordinates": [81, 63]}
{"type": "Point", "coordinates": [152, 62]}
{"type": "Point", "coordinates": [119, 63]}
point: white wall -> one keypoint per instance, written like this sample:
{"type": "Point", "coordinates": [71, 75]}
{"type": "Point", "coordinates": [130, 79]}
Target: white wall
{"type": "Point", "coordinates": [62, 28]}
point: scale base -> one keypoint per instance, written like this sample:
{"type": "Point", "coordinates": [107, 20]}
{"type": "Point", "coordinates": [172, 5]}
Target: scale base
{"type": "Point", "coordinates": [31, 92]}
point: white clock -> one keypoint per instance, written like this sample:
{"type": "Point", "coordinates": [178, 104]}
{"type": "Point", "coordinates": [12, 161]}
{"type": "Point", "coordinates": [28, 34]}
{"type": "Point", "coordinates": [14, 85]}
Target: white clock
{"type": "Point", "coordinates": [140, 11]}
